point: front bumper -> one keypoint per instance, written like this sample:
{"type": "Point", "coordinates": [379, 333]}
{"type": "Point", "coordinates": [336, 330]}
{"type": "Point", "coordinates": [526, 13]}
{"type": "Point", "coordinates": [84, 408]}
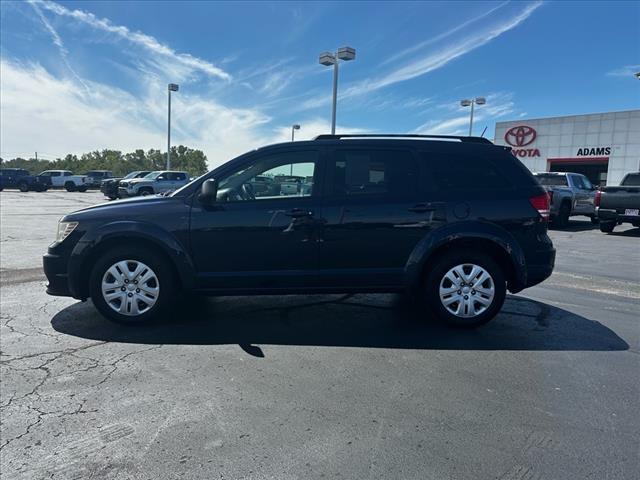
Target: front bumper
{"type": "Point", "coordinates": [55, 269]}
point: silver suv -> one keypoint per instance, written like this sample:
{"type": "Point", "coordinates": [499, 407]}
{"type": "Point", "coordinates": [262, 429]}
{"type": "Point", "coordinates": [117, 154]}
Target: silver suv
{"type": "Point", "coordinates": [156, 182]}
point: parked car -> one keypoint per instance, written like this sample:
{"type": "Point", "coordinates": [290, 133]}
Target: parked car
{"type": "Point", "coordinates": [617, 205]}
{"type": "Point", "coordinates": [110, 186]}
{"type": "Point", "coordinates": [570, 194]}
{"type": "Point", "coordinates": [67, 180]}
{"type": "Point", "coordinates": [155, 182]}
{"type": "Point", "coordinates": [22, 180]}
{"type": "Point", "coordinates": [95, 177]}
{"type": "Point", "coordinates": [416, 215]}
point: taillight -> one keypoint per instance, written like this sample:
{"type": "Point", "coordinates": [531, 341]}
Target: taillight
{"type": "Point", "coordinates": [596, 199]}
{"type": "Point", "coordinates": [541, 204]}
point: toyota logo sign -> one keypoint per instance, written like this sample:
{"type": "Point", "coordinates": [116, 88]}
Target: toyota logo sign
{"type": "Point", "coordinates": [520, 136]}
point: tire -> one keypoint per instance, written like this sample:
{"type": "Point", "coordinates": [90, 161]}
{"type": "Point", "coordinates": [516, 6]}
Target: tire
{"type": "Point", "coordinates": [161, 280]}
{"type": "Point", "coordinates": [494, 285]}
{"type": "Point", "coordinates": [82, 189]}
{"type": "Point", "coordinates": [145, 191]}
{"type": "Point", "coordinates": [562, 219]}
{"type": "Point", "coordinates": [607, 227]}
{"type": "Point", "coordinates": [112, 197]}
{"type": "Point", "coordinates": [23, 187]}
{"type": "Point", "coordinates": [594, 220]}
{"type": "Point", "coordinates": [70, 187]}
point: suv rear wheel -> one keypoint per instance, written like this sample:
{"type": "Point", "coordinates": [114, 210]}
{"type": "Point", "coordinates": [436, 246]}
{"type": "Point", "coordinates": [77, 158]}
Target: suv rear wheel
{"type": "Point", "coordinates": [23, 187]}
{"type": "Point", "coordinates": [131, 285]}
{"type": "Point", "coordinates": [465, 289]}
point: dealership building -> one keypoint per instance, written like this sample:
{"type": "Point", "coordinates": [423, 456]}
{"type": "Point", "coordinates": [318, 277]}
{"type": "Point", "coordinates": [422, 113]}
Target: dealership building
{"type": "Point", "coordinates": [602, 146]}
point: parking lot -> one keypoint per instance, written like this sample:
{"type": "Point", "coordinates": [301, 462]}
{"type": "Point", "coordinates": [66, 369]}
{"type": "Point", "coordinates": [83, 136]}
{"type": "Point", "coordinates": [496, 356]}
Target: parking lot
{"type": "Point", "coordinates": [334, 386]}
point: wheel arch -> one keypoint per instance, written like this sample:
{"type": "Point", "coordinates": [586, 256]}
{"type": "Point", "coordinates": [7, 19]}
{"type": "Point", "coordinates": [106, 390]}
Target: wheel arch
{"type": "Point", "coordinates": [147, 236]}
{"type": "Point", "coordinates": [488, 238]}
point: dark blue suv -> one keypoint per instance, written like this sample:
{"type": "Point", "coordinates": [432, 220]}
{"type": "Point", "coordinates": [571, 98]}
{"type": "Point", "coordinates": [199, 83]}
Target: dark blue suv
{"type": "Point", "coordinates": [453, 221]}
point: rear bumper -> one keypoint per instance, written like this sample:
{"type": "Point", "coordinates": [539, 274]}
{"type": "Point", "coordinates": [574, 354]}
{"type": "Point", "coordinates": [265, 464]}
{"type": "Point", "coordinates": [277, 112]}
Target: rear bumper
{"type": "Point", "coordinates": [55, 269]}
{"type": "Point", "coordinates": [609, 215]}
{"type": "Point", "coordinates": [538, 268]}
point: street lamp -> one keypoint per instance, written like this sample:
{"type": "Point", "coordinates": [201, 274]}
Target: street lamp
{"type": "Point", "coordinates": [171, 88]}
{"type": "Point", "coordinates": [293, 129]}
{"type": "Point", "coordinates": [327, 59]}
{"type": "Point", "coordinates": [472, 102]}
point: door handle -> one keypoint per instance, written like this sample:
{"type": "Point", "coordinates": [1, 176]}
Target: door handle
{"type": "Point", "coordinates": [299, 213]}
{"type": "Point", "coordinates": [421, 208]}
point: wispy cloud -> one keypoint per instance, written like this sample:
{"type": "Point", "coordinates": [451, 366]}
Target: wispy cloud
{"type": "Point", "coordinates": [498, 105]}
{"type": "Point", "coordinates": [432, 60]}
{"type": "Point", "coordinates": [442, 36]}
{"type": "Point", "coordinates": [138, 38]}
{"type": "Point", "coordinates": [626, 71]}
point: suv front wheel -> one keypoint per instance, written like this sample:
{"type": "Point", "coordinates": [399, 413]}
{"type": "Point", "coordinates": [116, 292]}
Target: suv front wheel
{"type": "Point", "coordinates": [465, 289]}
{"type": "Point", "coordinates": [131, 285]}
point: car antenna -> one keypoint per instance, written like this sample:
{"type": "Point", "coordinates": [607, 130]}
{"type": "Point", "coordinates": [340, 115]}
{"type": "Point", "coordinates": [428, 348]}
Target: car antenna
{"type": "Point", "coordinates": [485, 129]}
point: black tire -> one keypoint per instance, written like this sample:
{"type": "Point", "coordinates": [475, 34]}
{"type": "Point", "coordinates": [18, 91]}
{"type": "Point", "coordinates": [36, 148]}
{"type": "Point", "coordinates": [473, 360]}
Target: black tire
{"type": "Point", "coordinates": [594, 220]}
{"type": "Point", "coordinates": [159, 264]}
{"type": "Point", "coordinates": [82, 189]}
{"type": "Point", "coordinates": [562, 219]}
{"type": "Point", "coordinates": [144, 191]}
{"type": "Point", "coordinates": [446, 263]}
{"type": "Point", "coordinates": [607, 227]}
{"type": "Point", "coordinates": [23, 187]}
{"type": "Point", "coordinates": [70, 187]}
{"type": "Point", "coordinates": [112, 197]}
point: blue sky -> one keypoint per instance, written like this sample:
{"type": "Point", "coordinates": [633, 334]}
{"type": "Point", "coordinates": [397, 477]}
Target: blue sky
{"type": "Point", "coordinates": [79, 76]}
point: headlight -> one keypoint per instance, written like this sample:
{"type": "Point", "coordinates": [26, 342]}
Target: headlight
{"type": "Point", "coordinates": [65, 229]}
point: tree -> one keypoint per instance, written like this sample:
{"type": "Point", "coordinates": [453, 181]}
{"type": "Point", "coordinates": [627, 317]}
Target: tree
{"type": "Point", "coordinates": [182, 158]}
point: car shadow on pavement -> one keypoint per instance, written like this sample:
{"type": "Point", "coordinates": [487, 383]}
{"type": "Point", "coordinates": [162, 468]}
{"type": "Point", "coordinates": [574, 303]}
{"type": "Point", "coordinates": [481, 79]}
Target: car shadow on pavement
{"type": "Point", "coordinates": [575, 226]}
{"type": "Point", "coordinates": [368, 321]}
{"type": "Point", "coordinates": [632, 232]}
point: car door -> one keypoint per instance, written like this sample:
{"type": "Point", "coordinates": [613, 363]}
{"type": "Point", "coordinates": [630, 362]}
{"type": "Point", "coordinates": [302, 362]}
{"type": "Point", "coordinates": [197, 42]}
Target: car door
{"type": "Point", "coordinates": [582, 194]}
{"type": "Point", "coordinates": [263, 240]}
{"type": "Point", "coordinates": [162, 182]}
{"type": "Point", "coordinates": [373, 216]}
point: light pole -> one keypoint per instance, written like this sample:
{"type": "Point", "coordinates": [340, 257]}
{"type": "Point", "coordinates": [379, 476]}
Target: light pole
{"type": "Point", "coordinates": [171, 88]}
{"type": "Point", "coordinates": [472, 102]}
{"type": "Point", "coordinates": [327, 59]}
{"type": "Point", "coordinates": [294, 127]}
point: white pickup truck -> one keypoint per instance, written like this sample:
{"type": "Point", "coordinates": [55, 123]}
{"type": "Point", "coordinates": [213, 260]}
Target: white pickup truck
{"type": "Point", "coordinates": [66, 179]}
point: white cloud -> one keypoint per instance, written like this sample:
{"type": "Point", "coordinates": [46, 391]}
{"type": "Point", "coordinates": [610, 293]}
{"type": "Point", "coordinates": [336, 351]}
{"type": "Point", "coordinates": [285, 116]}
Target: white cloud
{"type": "Point", "coordinates": [626, 71]}
{"type": "Point", "coordinates": [140, 39]}
{"type": "Point", "coordinates": [44, 113]}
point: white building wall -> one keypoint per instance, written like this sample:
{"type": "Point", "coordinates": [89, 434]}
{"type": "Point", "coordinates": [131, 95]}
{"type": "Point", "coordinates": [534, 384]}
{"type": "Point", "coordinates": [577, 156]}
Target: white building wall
{"type": "Point", "coordinates": [561, 137]}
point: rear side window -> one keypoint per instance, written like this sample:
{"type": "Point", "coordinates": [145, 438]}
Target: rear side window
{"type": "Point", "coordinates": [463, 172]}
{"type": "Point", "coordinates": [181, 176]}
{"type": "Point", "coordinates": [551, 180]}
{"type": "Point", "coordinates": [632, 179]}
{"type": "Point", "coordinates": [363, 172]}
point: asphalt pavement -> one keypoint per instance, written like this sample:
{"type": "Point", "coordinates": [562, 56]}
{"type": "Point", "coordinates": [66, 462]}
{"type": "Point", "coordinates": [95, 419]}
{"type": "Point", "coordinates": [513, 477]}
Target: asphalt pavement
{"type": "Point", "coordinates": [324, 386]}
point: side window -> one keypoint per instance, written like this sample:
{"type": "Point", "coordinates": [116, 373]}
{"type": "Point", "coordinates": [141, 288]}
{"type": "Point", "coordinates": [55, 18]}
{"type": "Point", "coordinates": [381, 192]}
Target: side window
{"type": "Point", "coordinates": [361, 172]}
{"type": "Point", "coordinates": [180, 177]}
{"type": "Point", "coordinates": [67, 174]}
{"type": "Point", "coordinates": [275, 176]}
{"type": "Point", "coordinates": [55, 174]}
{"type": "Point", "coordinates": [162, 177]}
{"type": "Point", "coordinates": [463, 172]}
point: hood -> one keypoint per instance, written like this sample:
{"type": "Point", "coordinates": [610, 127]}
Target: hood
{"type": "Point", "coordinates": [112, 179]}
{"type": "Point", "coordinates": [138, 180]}
{"type": "Point", "coordinates": [121, 209]}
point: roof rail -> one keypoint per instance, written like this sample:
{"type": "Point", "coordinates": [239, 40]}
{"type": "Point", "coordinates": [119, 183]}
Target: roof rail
{"type": "Point", "coordinates": [402, 135]}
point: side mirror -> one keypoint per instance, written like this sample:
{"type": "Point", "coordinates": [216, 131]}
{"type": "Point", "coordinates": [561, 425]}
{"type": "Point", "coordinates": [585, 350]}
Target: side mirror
{"type": "Point", "coordinates": [209, 191]}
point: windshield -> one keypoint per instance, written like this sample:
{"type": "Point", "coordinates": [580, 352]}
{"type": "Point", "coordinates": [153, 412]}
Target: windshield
{"type": "Point", "coordinates": [552, 180]}
{"type": "Point", "coordinates": [631, 180]}
{"type": "Point", "coordinates": [131, 175]}
{"type": "Point", "coordinates": [153, 175]}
